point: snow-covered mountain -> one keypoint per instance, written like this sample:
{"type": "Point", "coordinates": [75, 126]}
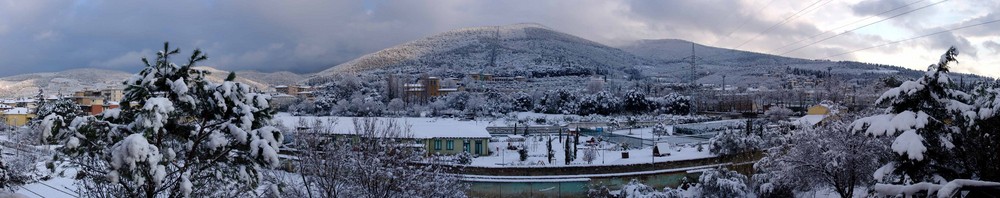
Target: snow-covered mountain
{"type": "Point", "coordinates": [516, 49]}
{"type": "Point", "coordinates": [64, 82]}
{"type": "Point", "coordinates": [260, 80]}
{"type": "Point", "coordinates": [671, 50]}
{"type": "Point", "coordinates": [69, 81]}
{"type": "Point", "coordinates": [743, 67]}
{"type": "Point", "coordinates": [273, 78]}
{"type": "Point", "coordinates": [537, 51]}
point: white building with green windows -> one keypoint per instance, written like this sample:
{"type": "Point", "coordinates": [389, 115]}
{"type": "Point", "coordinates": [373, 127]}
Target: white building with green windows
{"type": "Point", "coordinates": [437, 136]}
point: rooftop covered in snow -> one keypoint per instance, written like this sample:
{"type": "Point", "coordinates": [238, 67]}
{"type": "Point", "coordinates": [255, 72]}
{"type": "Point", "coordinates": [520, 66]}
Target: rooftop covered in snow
{"type": "Point", "coordinates": [420, 128]}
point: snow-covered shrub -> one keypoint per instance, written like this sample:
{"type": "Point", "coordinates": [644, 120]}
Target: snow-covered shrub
{"type": "Point", "coordinates": [523, 154]}
{"type": "Point", "coordinates": [634, 102]}
{"type": "Point", "coordinates": [722, 183]}
{"type": "Point", "coordinates": [662, 129]}
{"type": "Point", "coordinates": [672, 103]}
{"type": "Point", "coordinates": [827, 156]}
{"type": "Point", "coordinates": [735, 141]}
{"type": "Point", "coordinates": [589, 155]}
{"type": "Point", "coordinates": [634, 188]}
{"type": "Point", "coordinates": [464, 158]}
{"type": "Point", "coordinates": [177, 135]}
{"type": "Point", "coordinates": [775, 114]}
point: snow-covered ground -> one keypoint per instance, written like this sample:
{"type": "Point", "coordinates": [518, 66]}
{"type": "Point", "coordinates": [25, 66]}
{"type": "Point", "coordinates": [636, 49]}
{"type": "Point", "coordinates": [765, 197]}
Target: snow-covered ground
{"type": "Point", "coordinates": [60, 182]}
{"type": "Point", "coordinates": [606, 154]}
{"type": "Point", "coordinates": [642, 133]}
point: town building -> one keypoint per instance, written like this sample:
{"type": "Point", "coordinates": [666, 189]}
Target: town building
{"type": "Point", "coordinates": [18, 116]}
{"type": "Point", "coordinates": [492, 78]}
{"type": "Point", "coordinates": [818, 114]}
{"type": "Point", "coordinates": [422, 89]}
{"type": "Point", "coordinates": [95, 102]}
{"type": "Point", "coordinates": [304, 92]}
{"type": "Point", "coordinates": [434, 136]}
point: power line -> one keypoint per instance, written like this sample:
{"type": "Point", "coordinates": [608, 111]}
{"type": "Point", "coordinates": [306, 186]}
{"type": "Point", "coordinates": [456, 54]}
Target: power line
{"type": "Point", "coordinates": [780, 23]}
{"type": "Point", "coordinates": [863, 26]}
{"type": "Point", "coordinates": [921, 36]}
{"type": "Point", "coordinates": [845, 25]}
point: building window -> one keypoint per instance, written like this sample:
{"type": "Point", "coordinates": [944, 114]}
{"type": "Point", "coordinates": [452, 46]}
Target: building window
{"type": "Point", "coordinates": [465, 146]}
{"type": "Point", "coordinates": [450, 144]}
{"type": "Point", "coordinates": [479, 147]}
{"type": "Point", "coordinates": [437, 144]}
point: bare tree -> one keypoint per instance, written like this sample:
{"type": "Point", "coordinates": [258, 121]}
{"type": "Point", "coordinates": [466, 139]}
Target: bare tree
{"type": "Point", "coordinates": [829, 155]}
{"type": "Point", "coordinates": [378, 159]}
{"type": "Point", "coordinates": [589, 155]}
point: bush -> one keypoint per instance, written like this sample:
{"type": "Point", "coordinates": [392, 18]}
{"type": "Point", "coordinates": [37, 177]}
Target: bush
{"type": "Point", "coordinates": [464, 158]}
{"type": "Point", "coordinates": [524, 154]}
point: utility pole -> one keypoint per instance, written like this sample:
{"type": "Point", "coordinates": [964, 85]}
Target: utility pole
{"type": "Point", "coordinates": [692, 81]}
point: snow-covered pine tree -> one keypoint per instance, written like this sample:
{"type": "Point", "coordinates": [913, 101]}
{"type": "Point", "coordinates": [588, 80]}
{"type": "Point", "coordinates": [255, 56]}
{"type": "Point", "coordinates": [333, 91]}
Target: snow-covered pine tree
{"type": "Point", "coordinates": [635, 102]}
{"type": "Point", "coordinates": [983, 134]}
{"type": "Point", "coordinates": [176, 135]}
{"type": "Point", "coordinates": [923, 116]}
{"type": "Point", "coordinates": [56, 116]}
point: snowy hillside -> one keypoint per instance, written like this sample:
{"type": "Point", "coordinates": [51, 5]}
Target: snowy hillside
{"type": "Point", "coordinates": [747, 68]}
{"type": "Point", "coordinates": [672, 50]}
{"type": "Point", "coordinates": [536, 51]}
{"type": "Point", "coordinates": [69, 81]}
{"type": "Point", "coordinates": [65, 82]}
{"type": "Point", "coordinates": [251, 78]}
{"type": "Point", "coordinates": [275, 78]}
{"type": "Point", "coordinates": [520, 48]}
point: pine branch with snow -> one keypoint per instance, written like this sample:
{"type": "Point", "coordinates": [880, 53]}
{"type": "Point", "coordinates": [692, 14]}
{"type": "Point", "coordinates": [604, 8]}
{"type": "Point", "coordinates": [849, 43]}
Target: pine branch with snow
{"type": "Point", "coordinates": [176, 135]}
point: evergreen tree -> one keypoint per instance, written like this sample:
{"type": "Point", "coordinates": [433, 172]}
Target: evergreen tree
{"type": "Point", "coordinates": [924, 117]}
{"type": "Point", "coordinates": [551, 153]}
{"type": "Point", "coordinates": [56, 116]}
{"type": "Point", "coordinates": [177, 135]}
{"type": "Point", "coordinates": [635, 102]}
{"type": "Point", "coordinates": [566, 151]}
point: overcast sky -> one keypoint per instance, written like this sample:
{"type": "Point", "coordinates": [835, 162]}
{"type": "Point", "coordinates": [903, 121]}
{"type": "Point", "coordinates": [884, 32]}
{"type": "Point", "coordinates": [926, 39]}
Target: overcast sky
{"type": "Point", "coordinates": [312, 35]}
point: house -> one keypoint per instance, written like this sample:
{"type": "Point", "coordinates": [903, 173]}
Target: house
{"type": "Point", "coordinates": [819, 113]}
{"type": "Point", "coordinates": [433, 135]}
{"type": "Point", "coordinates": [21, 102]}
{"type": "Point", "coordinates": [423, 88]}
{"type": "Point", "coordinates": [303, 92]}
{"type": "Point", "coordinates": [95, 102]}
{"type": "Point", "coordinates": [17, 117]}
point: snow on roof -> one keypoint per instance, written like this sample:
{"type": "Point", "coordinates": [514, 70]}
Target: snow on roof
{"type": "Point", "coordinates": [16, 111]}
{"type": "Point", "coordinates": [421, 128]}
{"type": "Point", "coordinates": [663, 146]}
{"type": "Point", "coordinates": [811, 120]}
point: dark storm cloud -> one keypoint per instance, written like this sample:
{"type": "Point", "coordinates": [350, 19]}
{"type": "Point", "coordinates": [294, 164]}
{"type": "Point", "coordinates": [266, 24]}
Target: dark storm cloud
{"type": "Point", "coordinates": [299, 36]}
{"type": "Point", "coordinates": [312, 35]}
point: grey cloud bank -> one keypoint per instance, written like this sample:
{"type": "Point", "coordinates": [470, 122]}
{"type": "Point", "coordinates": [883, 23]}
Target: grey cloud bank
{"type": "Point", "coordinates": [311, 35]}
